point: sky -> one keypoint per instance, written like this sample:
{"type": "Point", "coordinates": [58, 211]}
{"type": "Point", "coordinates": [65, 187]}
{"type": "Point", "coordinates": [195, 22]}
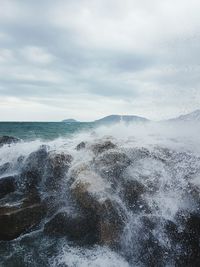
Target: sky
{"type": "Point", "coordinates": [86, 59]}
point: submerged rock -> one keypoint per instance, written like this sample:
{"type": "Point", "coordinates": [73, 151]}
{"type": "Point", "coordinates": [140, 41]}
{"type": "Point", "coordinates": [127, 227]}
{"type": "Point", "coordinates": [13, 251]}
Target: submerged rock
{"type": "Point", "coordinates": [6, 140]}
{"type": "Point", "coordinates": [7, 185]}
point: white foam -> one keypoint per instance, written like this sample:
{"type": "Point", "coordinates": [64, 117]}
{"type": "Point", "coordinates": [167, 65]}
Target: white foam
{"type": "Point", "coordinates": [96, 257]}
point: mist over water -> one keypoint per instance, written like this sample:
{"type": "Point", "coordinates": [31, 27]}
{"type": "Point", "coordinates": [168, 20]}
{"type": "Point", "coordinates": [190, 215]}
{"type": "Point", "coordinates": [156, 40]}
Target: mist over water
{"type": "Point", "coordinates": [162, 159]}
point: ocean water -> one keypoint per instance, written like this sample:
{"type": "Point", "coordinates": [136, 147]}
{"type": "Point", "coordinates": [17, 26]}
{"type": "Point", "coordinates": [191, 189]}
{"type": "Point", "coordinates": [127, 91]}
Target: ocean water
{"type": "Point", "coordinates": [164, 159]}
{"type": "Point", "coordinates": [42, 130]}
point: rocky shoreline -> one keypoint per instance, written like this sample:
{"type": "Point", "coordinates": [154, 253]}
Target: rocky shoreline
{"type": "Point", "coordinates": [96, 201]}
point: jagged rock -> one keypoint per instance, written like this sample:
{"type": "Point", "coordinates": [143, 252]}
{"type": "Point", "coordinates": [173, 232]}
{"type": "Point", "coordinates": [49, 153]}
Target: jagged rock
{"type": "Point", "coordinates": [137, 153]}
{"type": "Point", "coordinates": [77, 228]}
{"type": "Point", "coordinates": [4, 168]}
{"type": "Point", "coordinates": [132, 191]}
{"type": "Point", "coordinates": [7, 185]}
{"type": "Point", "coordinates": [111, 164]}
{"type": "Point", "coordinates": [188, 238]}
{"type": "Point", "coordinates": [56, 168]}
{"type": "Point", "coordinates": [88, 189]}
{"type": "Point", "coordinates": [91, 192]}
{"type": "Point", "coordinates": [102, 147]}
{"type": "Point", "coordinates": [33, 169]}
{"type": "Point", "coordinates": [14, 221]}
{"type": "Point", "coordinates": [6, 140]}
{"type": "Point", "coordinates": [111, 222]}
{"type": "Point", "coordinates": [78, 169]}
{"type": "Point", "coordinates": [133, 195]}
{"type": "Point", "coordinates": [152, 252]}
{"type": "Point", "coordinates": [80, 146]}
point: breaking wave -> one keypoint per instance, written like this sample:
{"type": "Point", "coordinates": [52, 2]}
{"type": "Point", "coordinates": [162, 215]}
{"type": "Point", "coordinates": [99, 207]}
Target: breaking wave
{"type": "Point", "coordinates": [125, 195]}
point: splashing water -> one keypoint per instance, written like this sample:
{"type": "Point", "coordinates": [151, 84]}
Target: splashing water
{"type": "Point", "coordinates": [148, 176]}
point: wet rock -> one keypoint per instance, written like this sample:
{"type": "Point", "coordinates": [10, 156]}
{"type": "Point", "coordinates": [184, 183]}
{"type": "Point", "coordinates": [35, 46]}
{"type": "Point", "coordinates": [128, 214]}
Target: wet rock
{"type": "Point", "coordinates": [76, 228]}
{"type": "Point", "coordinates": [88, 189]}
{"type": "Point", "coordinates": [15, 221]}
{"type": "Point", "coordinates": [33, 169]}
{"type": "Point", "coordinates": [6, 140]}
{"type": "Point", "coordinates": [102, 147]}
{"type": "Point", "coordinates": [92, 194]}
{"type": "Point", "coordinates": [132, 190]}
{"type": "Point", "coordinates": [111, 222]}
{"type": "Point", "coordinates": [80, 146]}
{"type": "Point", "coordinates": [111, 164]}
{"type": "Point", "coordinates": [57, 167]}
{"type": "Point", "coordinates": [139, 153]}
{"type": "Point", "coordinates": [133, 196]}
{"type": "Point", "coordinates": [4, 168]}
{"type": "Point", "coordinates": [7, 185]}
{"type": "Point", "coordinates": [152, 252]}
{"type": "Point", "coordinates": [188, 239]}
{"type": "Point", "coordinates": [53, 203]}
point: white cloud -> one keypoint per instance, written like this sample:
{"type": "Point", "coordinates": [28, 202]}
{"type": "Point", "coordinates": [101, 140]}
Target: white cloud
{"type": "Point", "coordinates": [6, 56]}
{"type": "Point", "coordinates": [67, 58]}
{"type": "Point", "coordinates": [129, 24]}
{"type": "Point", "coordinates": [37, 55]}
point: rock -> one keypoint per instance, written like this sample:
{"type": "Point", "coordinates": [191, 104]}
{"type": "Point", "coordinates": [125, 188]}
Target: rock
{"type": "Point", "coordinates": [80, 146]}
{"type": "Point", "coordinates": [92, 194]}
{"type": "Point", "coordinates": [7, 185]}
{"type": "Point", "coordinates": [186, 237]}
{"type": "Point", "coordinates": [133, 195]}
{"type": "Point", "coordinates": [6, 140]}
{"type": "Point", "coordinates": [56, 169]}
{"type": "Point", "coordinates": [33, 169]}
{"type": "Point", "coordinates": [111, 223]}
{"type": "Point", "coordinates": [139, 153]}
{"type": "Point", "coordinates": [15, 221]}
{"type": "Point", "coordinates": [111, 164]}
{"type": "Point", "coordinates": [76, 228]}
{"type": "Point", "coordinates": [102, 147]}
{"type": "Point", "coordinates": [152, 252]}
{"type": "Point", "coordinates": [88, 189]}
{"type": "Point", "coordinates": [4, 168]}
{"type": "Point", "coordinates": [132, 190]}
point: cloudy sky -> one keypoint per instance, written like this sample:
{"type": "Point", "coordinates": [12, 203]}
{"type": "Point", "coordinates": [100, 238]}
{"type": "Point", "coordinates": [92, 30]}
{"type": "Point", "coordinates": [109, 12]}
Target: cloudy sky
{"type": "Point", "coordinates": [89, 58]}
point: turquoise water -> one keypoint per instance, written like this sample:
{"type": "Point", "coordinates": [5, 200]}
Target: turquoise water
{"type": "Point", "coordinates": [42, 130]}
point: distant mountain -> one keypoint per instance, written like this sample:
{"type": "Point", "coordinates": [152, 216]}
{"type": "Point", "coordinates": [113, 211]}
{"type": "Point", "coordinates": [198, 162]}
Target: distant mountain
{"type": "Point", "coordinates": [114, 119]}
{"type": "Point", "coordinates": [120, 118]}
{"type": "Point", "coordinates": [70, 120]}
{"type": "Point", "coordinates": [190, 117]}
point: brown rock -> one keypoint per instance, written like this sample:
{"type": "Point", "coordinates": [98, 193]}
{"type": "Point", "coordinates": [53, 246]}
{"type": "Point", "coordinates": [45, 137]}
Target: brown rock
{"type": "Point", "coordinates": [14, 221]}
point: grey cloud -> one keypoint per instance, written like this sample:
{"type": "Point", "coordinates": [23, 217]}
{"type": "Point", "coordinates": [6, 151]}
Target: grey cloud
{"type": "Point", "coordinates": [88, 63]}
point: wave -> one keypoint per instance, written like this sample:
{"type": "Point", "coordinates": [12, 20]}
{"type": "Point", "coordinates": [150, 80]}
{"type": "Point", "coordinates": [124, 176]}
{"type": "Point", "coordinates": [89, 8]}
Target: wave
{"type": "Point", "coordinates": [124, 195]}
